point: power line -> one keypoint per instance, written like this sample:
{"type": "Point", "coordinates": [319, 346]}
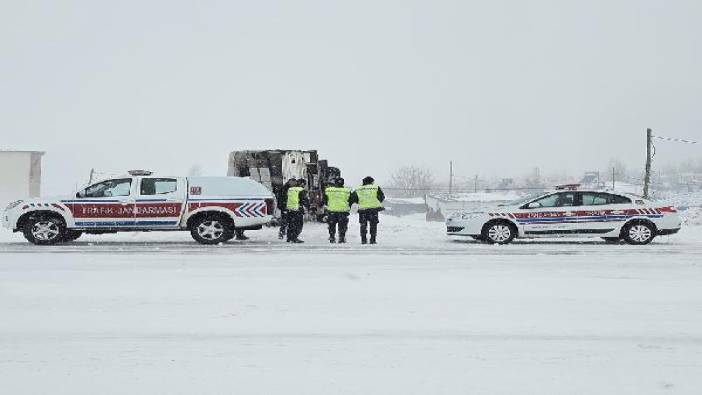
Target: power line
{"type": "Point", "coordinates": [676, 140]}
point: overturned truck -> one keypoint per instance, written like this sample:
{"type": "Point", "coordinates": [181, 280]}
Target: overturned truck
{"type": "Point", "coordinates": [273, 168]}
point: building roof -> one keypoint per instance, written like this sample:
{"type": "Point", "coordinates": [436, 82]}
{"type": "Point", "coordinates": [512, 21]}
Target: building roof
{"type": "Point", "coordinates": [23, 151]}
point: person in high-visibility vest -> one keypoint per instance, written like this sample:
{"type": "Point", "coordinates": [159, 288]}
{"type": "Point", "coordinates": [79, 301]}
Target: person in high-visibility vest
{"type": "Point", "coordinates": [337, 199]}
{"type": "Point", "coordinates": [282, 196]}
{"type": "Point", "coordinates": [369, 198]}
{"type": "Point", "coordinates": [295, 205]}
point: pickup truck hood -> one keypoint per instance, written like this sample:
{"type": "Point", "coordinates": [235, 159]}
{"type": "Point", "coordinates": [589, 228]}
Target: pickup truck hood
{"type": "Point", "coordinates": [42, 200]}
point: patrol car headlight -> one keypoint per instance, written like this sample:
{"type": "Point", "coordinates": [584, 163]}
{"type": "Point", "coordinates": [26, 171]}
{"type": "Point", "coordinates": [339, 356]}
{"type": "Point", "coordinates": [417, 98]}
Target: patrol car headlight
{"type": "Point", "coordinates": [456, 216]}
{"type": "Point", "coordinates": [13, 204]}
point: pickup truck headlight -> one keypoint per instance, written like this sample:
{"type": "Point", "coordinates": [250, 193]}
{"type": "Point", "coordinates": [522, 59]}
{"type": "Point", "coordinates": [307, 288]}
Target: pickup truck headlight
{"type": "Point", "coordinates": [13, 204]}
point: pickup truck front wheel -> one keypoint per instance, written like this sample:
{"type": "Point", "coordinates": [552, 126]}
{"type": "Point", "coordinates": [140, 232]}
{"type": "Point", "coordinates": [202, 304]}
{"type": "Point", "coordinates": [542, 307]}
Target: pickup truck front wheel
{"type": "Point", "coordinates": [44, 230]}
{"type": "Point", "coordinates": [212, 230]}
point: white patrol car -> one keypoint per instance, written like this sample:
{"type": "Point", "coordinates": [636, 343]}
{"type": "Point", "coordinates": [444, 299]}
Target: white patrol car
{"type": "Point", "coordinates": [569, 212]}
{"type": "Point", "coordinates": [211, 208]}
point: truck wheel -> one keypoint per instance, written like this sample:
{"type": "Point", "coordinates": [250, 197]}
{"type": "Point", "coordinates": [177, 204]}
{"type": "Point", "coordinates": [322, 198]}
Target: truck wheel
{"type": "Point", "coordinates": [499, 232]}
{"type": "Point", "coordinates": [72, 235]}
{"type": "Point", "coordinates": [212, 230]}
{"type": "Point", "coordinates": [638, 233]}
{"type": "Point", "coordinates": [44, 230]}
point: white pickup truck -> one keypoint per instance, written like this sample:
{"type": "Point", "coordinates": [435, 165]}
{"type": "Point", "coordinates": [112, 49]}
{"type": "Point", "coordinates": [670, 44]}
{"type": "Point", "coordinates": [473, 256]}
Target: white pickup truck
{"type": "Point", "coordinates": [211, 208]}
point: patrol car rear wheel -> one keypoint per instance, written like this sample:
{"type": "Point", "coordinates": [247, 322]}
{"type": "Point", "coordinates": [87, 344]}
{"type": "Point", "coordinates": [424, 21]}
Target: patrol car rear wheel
{"type": "Point", "coordinates": [639, 233]}
{"type": "Point", "coordinates": [44, 230]}
{"type": "Point", "coordinates": [211, 230]}
{"type": "Point", "coordinates": [499, 232]}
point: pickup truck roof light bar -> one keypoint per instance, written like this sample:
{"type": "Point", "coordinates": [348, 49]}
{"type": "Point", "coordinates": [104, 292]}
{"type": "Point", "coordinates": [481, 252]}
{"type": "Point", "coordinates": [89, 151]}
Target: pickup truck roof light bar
{"type": "Point", "coordinates": [140, 172]}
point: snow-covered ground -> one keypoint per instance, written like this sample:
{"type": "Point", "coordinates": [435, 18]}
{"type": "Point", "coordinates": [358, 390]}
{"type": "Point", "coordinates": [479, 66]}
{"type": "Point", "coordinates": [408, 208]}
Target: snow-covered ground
{"type": "Point", "coordinates": [419, 313]}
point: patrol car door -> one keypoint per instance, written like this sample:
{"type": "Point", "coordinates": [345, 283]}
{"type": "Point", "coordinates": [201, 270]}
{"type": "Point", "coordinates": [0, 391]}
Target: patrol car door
{"type": "Point", "coordinates": [160, 202]}
{"type": "Point", "coordinates": [601, 212]}
{"type": "Point", "coordinates": [107, 204]}
{"type": "Point", "coordinates": [549, 216]}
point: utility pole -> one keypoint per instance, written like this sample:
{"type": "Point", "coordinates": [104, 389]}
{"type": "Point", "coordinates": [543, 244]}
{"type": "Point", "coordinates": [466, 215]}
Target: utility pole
{"type": "Point", "coordinates": [450, 177]}
{"type": "Point", "coordinates": [647, 176]}
{"type": "Point", "coordinates": [475, 184]}
{"type": "Point", "coordinates": [613, 177]}
{"type": "Point", "coordinates": [92, 174]}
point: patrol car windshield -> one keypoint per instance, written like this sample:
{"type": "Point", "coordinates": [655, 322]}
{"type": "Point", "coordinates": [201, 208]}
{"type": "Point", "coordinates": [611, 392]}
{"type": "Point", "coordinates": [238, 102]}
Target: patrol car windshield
{"type": "Point", "coordinates": [522, 200]}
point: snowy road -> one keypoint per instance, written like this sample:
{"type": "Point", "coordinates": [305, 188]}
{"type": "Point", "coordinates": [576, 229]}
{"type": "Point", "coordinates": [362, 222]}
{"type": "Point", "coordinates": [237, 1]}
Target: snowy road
{"type": "Point", "coordinates": [415, 315]}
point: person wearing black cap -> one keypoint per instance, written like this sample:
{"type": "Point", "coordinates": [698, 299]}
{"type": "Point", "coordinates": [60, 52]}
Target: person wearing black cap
{"type": "Point", "coordinates": [369, 198]}
{"type": "Point", "coordinates": [295, 205]}
{"type": "Point", "coordinates": [282, 197]}
{"type": "Point", "coordinates": [337, 199]}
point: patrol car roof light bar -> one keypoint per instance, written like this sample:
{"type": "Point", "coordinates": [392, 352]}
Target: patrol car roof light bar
{"type": "Point", "coordinates": [568, 187]}
{"type": "Point", "coordinates": [140, 173]}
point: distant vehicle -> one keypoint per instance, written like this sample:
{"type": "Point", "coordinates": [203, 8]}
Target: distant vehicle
{"type": "Point", "coordinates": [273, 168]}
{"type": "Point", "coordinates": [571, 212]}
{"type": "Point", "coordinates": [211, 208]}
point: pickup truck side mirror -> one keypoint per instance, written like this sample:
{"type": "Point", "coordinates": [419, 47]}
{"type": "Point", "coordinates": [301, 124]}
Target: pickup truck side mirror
{"type": "Point", "coordinates": [534, 205]}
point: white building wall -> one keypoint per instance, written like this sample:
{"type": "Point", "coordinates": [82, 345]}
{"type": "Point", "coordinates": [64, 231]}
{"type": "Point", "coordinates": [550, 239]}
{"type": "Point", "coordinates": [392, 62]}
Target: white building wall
{"type": "Point", "coordinates": [20, 175]}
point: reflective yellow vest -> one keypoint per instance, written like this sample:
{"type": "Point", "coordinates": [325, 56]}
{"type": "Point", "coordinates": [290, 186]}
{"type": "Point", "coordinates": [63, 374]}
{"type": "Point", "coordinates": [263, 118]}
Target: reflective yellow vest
{"type": "Point", "coordinates": [338, 199]}
{"type": "Point", "coordinates": [368, 197]}
{"type": "Point", "coordinates": [294, 198]}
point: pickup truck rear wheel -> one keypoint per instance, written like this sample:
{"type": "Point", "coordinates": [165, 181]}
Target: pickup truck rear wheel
{"type": "Point", "coordinates": [43, 230]}
{"type": "Point", "coordinates": [213, 229]}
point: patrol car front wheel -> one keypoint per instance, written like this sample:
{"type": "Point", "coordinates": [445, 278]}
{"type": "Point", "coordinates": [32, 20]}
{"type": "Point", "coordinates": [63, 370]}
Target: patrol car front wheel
{"type": "Point", "coordinates": [498, 232]}
{"type": "Point", "coordinates": [211, 230]}
{"type": "Point", "coordinates": [44, 230]}
{"type": "Point", "coordinates": [638, 233]}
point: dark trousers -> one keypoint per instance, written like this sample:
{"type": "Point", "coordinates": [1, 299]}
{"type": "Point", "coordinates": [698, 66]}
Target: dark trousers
{"type": "Point", "coordinates": [365, 218]}
{"type": "Point", "coordinates": [295, 222]}
{"type": "Point", "coordinates": [283, 223]}
{"type": "Point", "coordinates": [340, 219]}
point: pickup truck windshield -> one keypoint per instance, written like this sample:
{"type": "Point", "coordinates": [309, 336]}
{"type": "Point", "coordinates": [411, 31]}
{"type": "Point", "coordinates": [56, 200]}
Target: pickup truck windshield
{"type": "Point", "coordinates": [109, 188]}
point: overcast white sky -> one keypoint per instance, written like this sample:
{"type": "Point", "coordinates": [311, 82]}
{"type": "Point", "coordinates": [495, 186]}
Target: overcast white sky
{"type": "Point", "coordinates": [497, 86]}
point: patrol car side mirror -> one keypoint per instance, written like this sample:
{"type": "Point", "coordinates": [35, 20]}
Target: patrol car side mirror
{"type": "Point", "coordinates": [80, 194]}
{"type": "Point", "coordinates": [534, 205]}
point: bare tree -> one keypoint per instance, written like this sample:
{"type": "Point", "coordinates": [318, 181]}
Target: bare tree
{"type": "Point", "coordinates": [411, 181]}
{"type": "Point", "coordinates": [195, 170]}
{"type": "Point", "coordinates": [534, 180]}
